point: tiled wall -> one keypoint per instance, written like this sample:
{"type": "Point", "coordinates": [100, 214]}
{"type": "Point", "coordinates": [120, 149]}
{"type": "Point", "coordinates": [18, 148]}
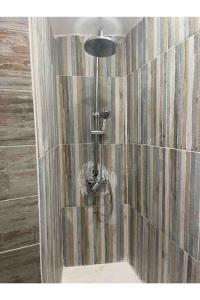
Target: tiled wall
{"type": "Point", "coordinates": [44, 70]}
{"type": "Point", "coordinates": [19, 232]}
{"type": "Point", "coordinates": [93, 238]}
{"type": "Point", "coordinates": [163, 147]}
{"type": "Point", "coordinates": [78, 62]}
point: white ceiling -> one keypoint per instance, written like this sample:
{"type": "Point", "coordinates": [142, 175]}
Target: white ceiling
{"type": "Point", "coordinates": [90, 25]}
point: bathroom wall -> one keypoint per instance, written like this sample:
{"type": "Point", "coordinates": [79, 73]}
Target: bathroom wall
{"type": "Point", "coordinates": [44, 71]}
{"type": "Point", "coordinates": [163, 65]}
{"type": "Point", "coordinates": [89, 237]}
{"type": "Point", "coordinates": [19, 230]}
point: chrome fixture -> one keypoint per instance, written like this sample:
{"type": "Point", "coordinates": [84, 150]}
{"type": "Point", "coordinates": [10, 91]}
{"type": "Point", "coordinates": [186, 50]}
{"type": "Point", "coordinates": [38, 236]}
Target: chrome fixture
{"type": "Point", "coordinates": [99, 46]}
{"type": "Point", "coordinates": [94, 185]}
{"type": "Point", "coordinates": [103, 115]}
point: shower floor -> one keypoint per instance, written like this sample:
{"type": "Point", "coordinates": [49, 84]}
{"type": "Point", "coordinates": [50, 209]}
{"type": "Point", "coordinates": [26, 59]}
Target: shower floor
{"type": "Point", "coordinates": [120, 272]}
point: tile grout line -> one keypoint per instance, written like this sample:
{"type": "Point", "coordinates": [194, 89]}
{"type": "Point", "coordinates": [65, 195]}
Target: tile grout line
{"type": "Point", "coordinates": [16, 249]}
{"type": "Point", "coordinates": [135, 25]}
{"type": "Point", "coordinates": [16, 90]}
{"type": "Point", "coordinates": [18, 146]}
{"type": "Point", "coordinates": [126, 144]}
{"type": "Point", "coordinates": [19, 198]}
{"type": "Point", "coordinates": [88, 35]}
{"type": "Point", "coordinates": [162, 53]}
{"type": "Point", "coordinates": [109, 77]}
{"type": "Point", "coordinates": [48, 151]}
{"type": "Point", "coordinates": [147, 220]}
{"type": "Point", "coordinates": [163, 147]}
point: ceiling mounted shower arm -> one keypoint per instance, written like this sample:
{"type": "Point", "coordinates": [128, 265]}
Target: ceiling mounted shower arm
{"type": "Point", "coordinates": [101, 32]}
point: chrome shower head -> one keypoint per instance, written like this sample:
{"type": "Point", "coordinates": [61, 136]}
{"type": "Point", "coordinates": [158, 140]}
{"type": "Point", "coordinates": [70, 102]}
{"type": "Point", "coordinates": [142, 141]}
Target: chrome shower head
{"type": "Point", "coordinates": [100, 46]}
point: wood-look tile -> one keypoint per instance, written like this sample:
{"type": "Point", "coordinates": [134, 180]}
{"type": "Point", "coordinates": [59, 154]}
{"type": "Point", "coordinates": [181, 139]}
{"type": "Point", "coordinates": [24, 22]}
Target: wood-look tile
{"type": "Point", "coordinates": [132, 107]}
{"type": "Point", "coordinates": [20, 266]}
{"type": "Point", "coordinates": [50, 210]}
{"type": "Point", "coordinates": [78, 160]}
{"type": "Point", "coordinates": [113, 95]}
{"type": "Point", "coordinates": [76, 102]}
{"type": "Point", "coordinates": [44, 60]}
{"type": "Point", "coordinates": [18, 174]}
{"type": "Point", "coordinates": [44, 69]}
{"type": "Point", "coordinates": [15, 70]}
{"type": "Point", "coordinates": [131, 173]}
{"type": "Point", "coordinates": [74, 60]}
{"type": "Point", "coordinates": [16, 118]}
{"type": "Point", "coordinates": [167, 192]}
{"type": "Point", "coordinates": [90, 238]}
{"type": "Point", "coordinates": [156, 258]}
{"type": "Point", "coordinates": [115, 65]}
{"type": "Point", "coordinates": [153, 36]}
{"type": "Point", "coordinates": [162, 183]}
{"type": "Point", "coordinates": [18, 223]}
{"type": "Point", "coordinates": [163, 101]}
{"type": "Point", "coordinates": [14, 23]}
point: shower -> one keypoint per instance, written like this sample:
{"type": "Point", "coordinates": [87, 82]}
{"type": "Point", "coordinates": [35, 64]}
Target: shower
{"type": "Point", "coordinates": [99, 47]}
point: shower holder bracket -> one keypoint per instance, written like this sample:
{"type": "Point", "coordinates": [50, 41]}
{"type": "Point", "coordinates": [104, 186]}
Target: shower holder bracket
{"type": "Point", "coordinates": [97, 132]}
{"type": "Point", "coordinates": [95, 114]}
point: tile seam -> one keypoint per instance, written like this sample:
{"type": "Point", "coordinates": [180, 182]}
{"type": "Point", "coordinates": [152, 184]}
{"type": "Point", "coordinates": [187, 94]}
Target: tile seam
{"type": "Point", "coordinates": [18, 146]}
{"type": "Point", "coordinates": [48, 151]}
{"type": "Point", "coordinates": [16, 249]}
{"type": "Point", "coordinates": [162, 53]}
{"type": "Point", "coordinates": [162, 147]}
{"type": "Point", "coordinates": [19, 198]}
{"type": "Point", "coordinates": [63, 75]}
{"type": "Point", "coordinates": [147, 220]}
{"type": "Point", "coordinates": [16, 90]}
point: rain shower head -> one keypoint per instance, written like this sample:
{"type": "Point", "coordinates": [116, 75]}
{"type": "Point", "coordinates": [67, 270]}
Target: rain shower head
{"type": "Point", "coordinates": [100, 46]}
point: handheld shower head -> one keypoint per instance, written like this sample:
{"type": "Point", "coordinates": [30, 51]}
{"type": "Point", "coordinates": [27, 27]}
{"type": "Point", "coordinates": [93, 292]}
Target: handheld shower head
{"type": "Point", "coordinates": [105, 114]}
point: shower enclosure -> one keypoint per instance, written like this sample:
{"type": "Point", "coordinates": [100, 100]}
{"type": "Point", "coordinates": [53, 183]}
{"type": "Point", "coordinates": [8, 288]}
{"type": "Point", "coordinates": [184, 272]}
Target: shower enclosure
{"type": "Point", "coordinates": [118, 147]}
{"type": "Point", "coordinates": [81, 154]}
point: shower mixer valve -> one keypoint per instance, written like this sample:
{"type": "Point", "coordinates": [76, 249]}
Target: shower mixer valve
{"type": "Point", "coordinates": [94, 184]}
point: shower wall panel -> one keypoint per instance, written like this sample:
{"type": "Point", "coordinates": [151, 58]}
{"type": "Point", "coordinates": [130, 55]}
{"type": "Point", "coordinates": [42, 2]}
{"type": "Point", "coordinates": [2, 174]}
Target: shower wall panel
{"type": "Point", "coordinates": [93, 238]}
{"type": "Point", "coordinates": [19, 232]}
{"type": "Point", "coordinates": [153, 36]}
{"type": "Point", "coordinates": [90, 238]}
{"type": "Point", "coordinates": [163, 142]}
{"type": "Point", "coordinates": [75, 61]}
{"type": "Point", "coordinates": [77, 101]}
{"type": "Point", "coordinates": [78, 162]}
{"type": "Point", "coordinates": [107, 234]}
{"type": "Point", "coordinates": [44, 71]}
{"type": "Point", "coordinates": [156, 258]}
